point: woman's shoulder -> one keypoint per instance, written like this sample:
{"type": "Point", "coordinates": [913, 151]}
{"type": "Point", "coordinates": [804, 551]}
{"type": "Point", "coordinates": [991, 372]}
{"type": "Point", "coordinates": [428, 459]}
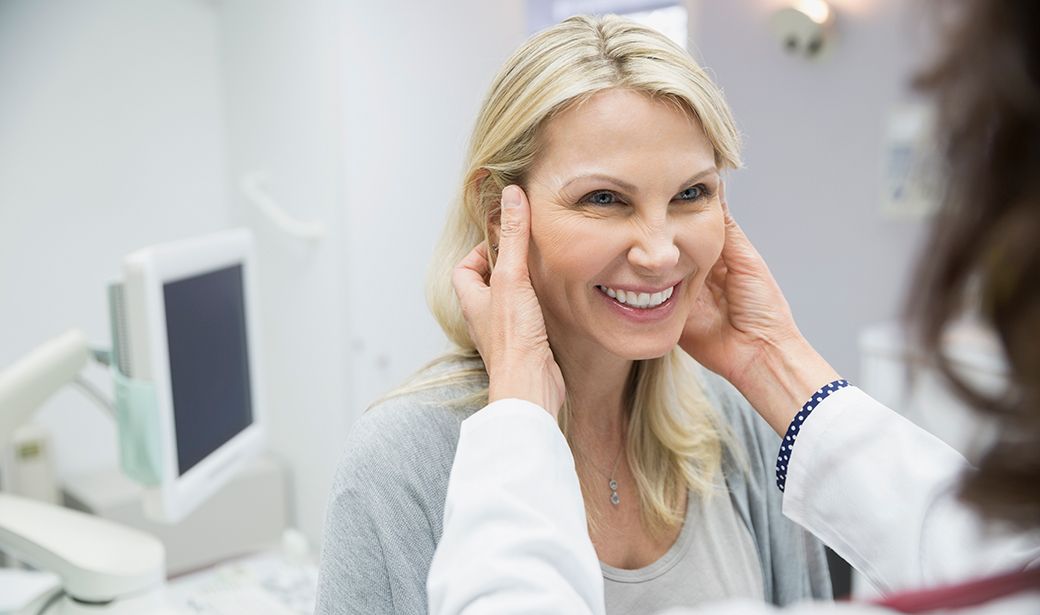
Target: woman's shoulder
{"type": "Point", "coordinates": [385, 510]}
{"type": "Point", "coordinates": [414, 430]}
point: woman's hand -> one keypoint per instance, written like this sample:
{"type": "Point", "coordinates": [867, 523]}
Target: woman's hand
{"type": "Point", "coordinates": [504, 318]}
{"type": "Point", "coordinates": [740, 311]}
{"type": "Point", "coordinates": [741, 328]}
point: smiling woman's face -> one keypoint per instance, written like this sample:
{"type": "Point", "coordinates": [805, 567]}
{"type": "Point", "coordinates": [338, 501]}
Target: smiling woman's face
{"type": "Point", "coordinates": [626, 223]}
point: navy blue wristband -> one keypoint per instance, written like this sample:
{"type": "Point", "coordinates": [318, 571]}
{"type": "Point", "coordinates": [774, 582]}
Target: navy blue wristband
{"type": "Point", "coordinates": [787, 444]}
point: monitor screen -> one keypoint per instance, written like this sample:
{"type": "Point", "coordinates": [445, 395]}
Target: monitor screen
{"type": "Point", "coordinates": [209, 362]}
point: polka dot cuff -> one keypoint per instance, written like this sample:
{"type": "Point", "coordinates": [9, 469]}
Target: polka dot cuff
{"type": "Point", "coordinates": [787, 444]}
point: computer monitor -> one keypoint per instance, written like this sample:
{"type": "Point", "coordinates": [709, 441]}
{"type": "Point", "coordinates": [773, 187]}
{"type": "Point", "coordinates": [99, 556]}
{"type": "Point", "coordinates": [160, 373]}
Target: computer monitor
{"type": "Point", "coordinates": [189, 328]}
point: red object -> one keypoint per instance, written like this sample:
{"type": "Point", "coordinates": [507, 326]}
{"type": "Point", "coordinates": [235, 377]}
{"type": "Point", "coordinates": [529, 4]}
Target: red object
{"type": "Point", "coordinates": [962, 595]}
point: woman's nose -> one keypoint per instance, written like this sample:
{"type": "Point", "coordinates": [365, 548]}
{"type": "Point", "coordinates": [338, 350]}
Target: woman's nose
{"type": "Point", "coordinates": [654, 252]}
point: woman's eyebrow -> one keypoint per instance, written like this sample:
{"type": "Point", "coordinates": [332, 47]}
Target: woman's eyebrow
{"type": "Point", "coordinates": [627, 187]}
{"type": "Point", "coordinates": [701, 175]}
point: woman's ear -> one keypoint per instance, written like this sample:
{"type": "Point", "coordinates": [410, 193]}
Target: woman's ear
{"type": "Point", "coordinates": [482, 184]}
{"type": "Point", "coordinates": [494, 222]}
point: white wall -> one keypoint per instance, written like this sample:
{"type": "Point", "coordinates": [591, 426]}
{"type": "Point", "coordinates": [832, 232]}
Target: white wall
{"type": "Point", "coordinates": [111, 138]}
{"type": "Point", "coordinates": [810, 194]}
{"type": "Point", "coordinates": [281, 93]}
{"type": "Point", "coordinates": [415, 74]}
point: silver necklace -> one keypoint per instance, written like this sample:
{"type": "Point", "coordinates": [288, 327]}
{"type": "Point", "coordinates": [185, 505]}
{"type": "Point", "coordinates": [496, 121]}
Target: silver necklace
{"type": "Point", "coordinates": [615, 499]}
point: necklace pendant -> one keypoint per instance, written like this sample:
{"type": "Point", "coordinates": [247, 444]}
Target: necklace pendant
{"type": "Point", "coordinates": [615, 499]}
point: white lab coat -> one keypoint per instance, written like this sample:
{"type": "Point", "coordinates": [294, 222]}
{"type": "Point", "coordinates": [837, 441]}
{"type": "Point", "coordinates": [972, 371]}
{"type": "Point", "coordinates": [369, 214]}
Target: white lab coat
{"type": "Point", "coordinates": [876, 488]}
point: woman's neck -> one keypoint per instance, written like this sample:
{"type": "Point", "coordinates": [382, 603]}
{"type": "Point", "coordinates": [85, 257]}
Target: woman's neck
{"type": "Point", "coordinates": [596, 384]}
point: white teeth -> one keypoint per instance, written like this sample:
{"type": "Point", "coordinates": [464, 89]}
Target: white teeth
{"type": "Point", "coordinates": [638, 300]}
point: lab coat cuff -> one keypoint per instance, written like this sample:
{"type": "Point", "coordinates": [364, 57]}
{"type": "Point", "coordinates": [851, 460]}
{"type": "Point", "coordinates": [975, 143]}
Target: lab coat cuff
{"type": "Point", "coordinates": [812, 437]}
{"type": "Point", "coordinates": [511, 410]}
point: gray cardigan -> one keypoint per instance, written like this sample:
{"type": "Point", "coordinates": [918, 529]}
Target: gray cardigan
{"type": "Point", "coordinates": [384, 516]}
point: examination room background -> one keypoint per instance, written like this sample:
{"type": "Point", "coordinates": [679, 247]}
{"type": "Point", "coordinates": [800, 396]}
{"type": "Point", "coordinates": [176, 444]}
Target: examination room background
{"type": "Point", "coordinates": [125, 123]}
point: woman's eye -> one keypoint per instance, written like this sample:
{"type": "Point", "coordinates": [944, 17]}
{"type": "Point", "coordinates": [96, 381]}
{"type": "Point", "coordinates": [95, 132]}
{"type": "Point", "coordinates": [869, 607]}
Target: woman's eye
{"type": "Point", "coordinates": [693, 193]}
{"type": "Point", "coordinates": [602, 197]}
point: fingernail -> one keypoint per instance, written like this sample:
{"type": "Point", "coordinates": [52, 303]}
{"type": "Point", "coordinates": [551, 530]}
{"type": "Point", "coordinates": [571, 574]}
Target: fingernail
{"type": "Point", "coordinates": [510, 198]}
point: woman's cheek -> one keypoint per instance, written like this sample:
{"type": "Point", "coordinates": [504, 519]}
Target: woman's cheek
{"type": "Point", "coordinates": [705, 241]}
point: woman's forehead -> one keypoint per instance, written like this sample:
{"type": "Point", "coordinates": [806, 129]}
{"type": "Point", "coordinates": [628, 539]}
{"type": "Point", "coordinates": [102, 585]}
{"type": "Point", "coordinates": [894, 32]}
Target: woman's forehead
{"type": "Point", "coordinates": [615, 130]}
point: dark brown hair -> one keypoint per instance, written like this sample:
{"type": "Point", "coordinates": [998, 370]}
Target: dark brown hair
{"type": "Point", "coordinates": [984, 249]}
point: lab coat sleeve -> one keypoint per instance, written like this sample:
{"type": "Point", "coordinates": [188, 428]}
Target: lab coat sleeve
{"type": "Point", "coordinates": [515, 535]}
{"type": "Point", "coordinates": [882, 493]}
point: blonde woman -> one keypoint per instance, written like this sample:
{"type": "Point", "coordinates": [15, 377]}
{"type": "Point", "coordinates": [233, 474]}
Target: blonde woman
{"type": "Point", "coordinates": [615, 140]}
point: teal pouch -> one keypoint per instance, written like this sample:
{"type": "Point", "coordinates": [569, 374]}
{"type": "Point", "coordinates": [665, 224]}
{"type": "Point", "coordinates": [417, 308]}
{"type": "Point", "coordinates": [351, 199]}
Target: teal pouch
{"type": "Point", "coordinates": [137, 417]}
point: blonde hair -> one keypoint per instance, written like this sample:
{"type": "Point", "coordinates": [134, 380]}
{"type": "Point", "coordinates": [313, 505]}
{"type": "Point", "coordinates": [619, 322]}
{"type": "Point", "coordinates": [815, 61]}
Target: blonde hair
{"type": "Point", "coordinates": [674, 439]}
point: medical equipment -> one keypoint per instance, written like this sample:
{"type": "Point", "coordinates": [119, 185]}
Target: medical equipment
{"type": "Point", "coordinates": [185, 346]}
{"type": "Point", "coordinates": [29, 465]}
{"type": "Point", "coordinates": [280, 581]}
{"type": "Point", "coordinates": [248, 514]}
{"type": "Point", "coordinates": [188, 409]}
{"type": "Point", "coordinates": [103, 567]}
{"type": "Point", "coordinates": [29, 382]}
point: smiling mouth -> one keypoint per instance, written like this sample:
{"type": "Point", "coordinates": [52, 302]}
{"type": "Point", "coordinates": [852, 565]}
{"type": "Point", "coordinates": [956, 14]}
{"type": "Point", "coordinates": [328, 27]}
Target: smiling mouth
{"type": "Point", "coordinates": [640, 301]}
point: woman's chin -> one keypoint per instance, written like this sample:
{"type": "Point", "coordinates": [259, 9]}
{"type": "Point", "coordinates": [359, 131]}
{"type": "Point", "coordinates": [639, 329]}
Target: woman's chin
{"type": "Point", "coordinates": [642, 350]}
{"type": "Point", "coordinates": [651, 355]}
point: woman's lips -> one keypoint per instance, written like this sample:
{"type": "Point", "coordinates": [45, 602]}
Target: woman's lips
{"type": "Point", "coordinates": [637, 299]}
{"type": "Point", "coordinates": [644, 307]}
